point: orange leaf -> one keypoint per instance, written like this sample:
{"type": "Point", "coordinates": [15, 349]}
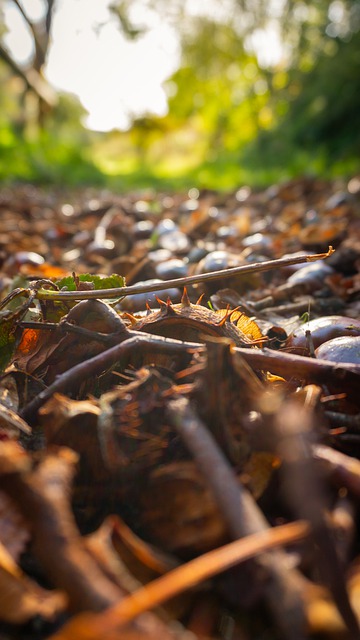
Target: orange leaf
{"type": "Point", "coordinates": [28, 341]}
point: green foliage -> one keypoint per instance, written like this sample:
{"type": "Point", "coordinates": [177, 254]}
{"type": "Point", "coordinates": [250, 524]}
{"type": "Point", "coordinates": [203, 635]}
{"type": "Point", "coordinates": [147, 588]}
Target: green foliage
{"type": "Point", "coordinates": [230, 120]}
{"type": "Point", "coordinates": [100, 282]}
{"type": "Point", "coordinates": [7, 340]}
{"type": "Point", "coordinates": [322, 122]}
{"type": "Point", "coordinates": [45, 159]}
{"type": "Point", "coordinates": [10, 333]}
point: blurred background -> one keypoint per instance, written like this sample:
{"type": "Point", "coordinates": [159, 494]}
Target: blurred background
{"type": "Point", "coordinates": [178, 93]}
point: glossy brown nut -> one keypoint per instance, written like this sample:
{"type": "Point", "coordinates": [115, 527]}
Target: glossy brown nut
{"type": "Point", "coordinates": [311, 276]}
{"type": "Point", "coordinates": [322, 330]}
{"type": "Point", "coordinates": [171, 269]}
{"type": "Point", "coordinates": [344, 349]}
{"type": "Point", "coordinates": [14, 262]}
{"type": "Point", "coordinates": [216, 261]}
{"type": "Point", "coordinates": [95, 315]}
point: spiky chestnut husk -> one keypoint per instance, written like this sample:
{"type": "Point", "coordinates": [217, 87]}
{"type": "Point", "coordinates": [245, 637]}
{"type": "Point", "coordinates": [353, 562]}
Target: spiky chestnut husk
{"type": "Point", "coordinates": [192, 322]}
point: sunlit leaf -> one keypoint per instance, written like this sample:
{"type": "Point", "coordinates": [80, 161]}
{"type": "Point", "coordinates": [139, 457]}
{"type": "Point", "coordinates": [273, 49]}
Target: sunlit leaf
{"type": "Point", "coordinates": [28, 341]}
{"type": "Point", "coordinates": [99, 282]}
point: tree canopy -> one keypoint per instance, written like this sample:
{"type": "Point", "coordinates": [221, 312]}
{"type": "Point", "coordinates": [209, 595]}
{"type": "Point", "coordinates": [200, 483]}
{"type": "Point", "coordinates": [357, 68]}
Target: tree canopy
{"type": "Point", "coordinates": [232, 104]}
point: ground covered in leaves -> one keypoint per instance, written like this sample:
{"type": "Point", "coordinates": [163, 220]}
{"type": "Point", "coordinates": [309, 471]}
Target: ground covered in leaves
{"type": "Point", "coordinates": [179, 414]}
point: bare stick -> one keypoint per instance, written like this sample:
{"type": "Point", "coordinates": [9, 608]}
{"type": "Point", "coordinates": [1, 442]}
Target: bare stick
{"type": "Point", "coordinates": [44, 294]}
{"type": "Point", "coordinates": [305, 492]}
{"type": "Point", "coordinates": [301, 368]}
{"type": "Point", "coordinates": [344, 469]}
{"type": "Point", "coordinates": [202, 568]}
{"type": "Point", "coordinates": [284, 587]}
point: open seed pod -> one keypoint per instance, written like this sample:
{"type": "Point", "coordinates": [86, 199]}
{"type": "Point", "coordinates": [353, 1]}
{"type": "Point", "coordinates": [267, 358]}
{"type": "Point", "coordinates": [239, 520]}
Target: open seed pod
{"type": "Point", "coordinates": [191, 322]}
{"type": "Point", "coordinates": [132, 432]}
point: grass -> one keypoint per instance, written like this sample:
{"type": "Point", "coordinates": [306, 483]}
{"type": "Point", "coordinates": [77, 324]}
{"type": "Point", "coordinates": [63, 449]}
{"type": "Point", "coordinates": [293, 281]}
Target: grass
{"type": "Point", "coordinates": [174, 162]}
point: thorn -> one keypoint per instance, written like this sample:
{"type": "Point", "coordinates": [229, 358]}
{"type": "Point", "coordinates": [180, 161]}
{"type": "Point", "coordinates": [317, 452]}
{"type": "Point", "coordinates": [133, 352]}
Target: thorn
{"type": "Point", "coordinates": [130, 317]}
{"type": "Point", "coordinates": [148, 308]}
{"type": "Point", "coordinates": [169, 308]}
{"type": "Point", "coordinates": [185, 298]}
{"type": "Point", "coordinates": [198, 301]}
{"type": "Point", "coordinates": [234, 311]}
{"type": "Point", "coordinates": [227, 316]}
{"type": "Point", "coordinates": [161, 304]}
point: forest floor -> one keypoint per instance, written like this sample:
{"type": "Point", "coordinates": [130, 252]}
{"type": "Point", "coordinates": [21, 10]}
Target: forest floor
{"type": "Point", "coordinates": [179, 413]}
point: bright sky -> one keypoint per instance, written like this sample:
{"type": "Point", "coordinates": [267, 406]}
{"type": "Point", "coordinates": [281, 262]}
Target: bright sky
{"type": "Point", "coordinates": [113, 77]}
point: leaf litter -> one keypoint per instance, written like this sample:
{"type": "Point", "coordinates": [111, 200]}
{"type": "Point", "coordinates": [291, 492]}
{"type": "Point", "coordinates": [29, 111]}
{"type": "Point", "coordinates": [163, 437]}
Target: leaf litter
{"type": "Point", "coordinates": [179, 414]}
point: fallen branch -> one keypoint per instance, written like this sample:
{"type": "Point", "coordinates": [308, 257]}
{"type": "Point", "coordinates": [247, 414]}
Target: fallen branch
{"type": "Point", "coordinates": [44, 294]}
{"type": "Point", "coordinates": [283, 587]}
{"type": "Point", "coordinates": [90, 627]}
{"type": "Point", "coordinates": [301, 368]}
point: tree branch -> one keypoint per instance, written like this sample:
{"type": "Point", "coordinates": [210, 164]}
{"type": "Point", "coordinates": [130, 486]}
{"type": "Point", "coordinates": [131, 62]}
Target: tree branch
{"type": "Point", "coordinates": [32, 79]}
{"type": "Point", "coordinates": [40, 53]}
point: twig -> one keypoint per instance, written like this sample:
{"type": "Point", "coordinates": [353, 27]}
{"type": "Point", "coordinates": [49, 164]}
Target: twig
{"type": "Point", "coordinates": [344, 469]}
{"type": "Point", "coordinates": [192, 573]}
{"type": "Point", "coordinates": [305, 493]}
{"type": "Point", "coordinates": [265, 359]}
{"type": "Point", "coordinates": [38, 47]}
{"type": "Point", "coordinates": [44, 294]}
{"type": "Point", "coordinates": [350, 421]}
{"type": "Point", "coordinates": [67, 327]}
{"type": "Point", "coordinates": [284, 587]}
{"type": "Point", "coordinates": [300, 367]}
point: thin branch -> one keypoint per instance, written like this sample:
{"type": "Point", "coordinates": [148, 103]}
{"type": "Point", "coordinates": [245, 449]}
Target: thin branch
{"type": "Point", "coordinates": [311, 370]}
{"type": "Point", "coordinates": [343, 469]}
{"type": "Point", "coordinates": [32, 79]}
{"type": "Point", "coordinates": [284, 587]}
{"type": "Point", "coordinates": [268, 265]}
{"type": "Point", "coordinates": [296, 367]}
{"type": "Point", "coordinates": [304, 489]}
{"type": "Point", "coordinates": [49, 16]}
{"type": "Point", "coordinates": [38, 46]}
{"type": "Point", "coordinates": [202, 568]}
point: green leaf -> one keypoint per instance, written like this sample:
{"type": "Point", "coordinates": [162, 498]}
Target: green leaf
{"type": "Point", "coordinates": [7, 338]}
{"type": "Point", "coordinates": [100, 282]}
{"type": "Point", "coordinates": [10, 333]}
{"type": "Point", "coordinates": [305, 317]}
